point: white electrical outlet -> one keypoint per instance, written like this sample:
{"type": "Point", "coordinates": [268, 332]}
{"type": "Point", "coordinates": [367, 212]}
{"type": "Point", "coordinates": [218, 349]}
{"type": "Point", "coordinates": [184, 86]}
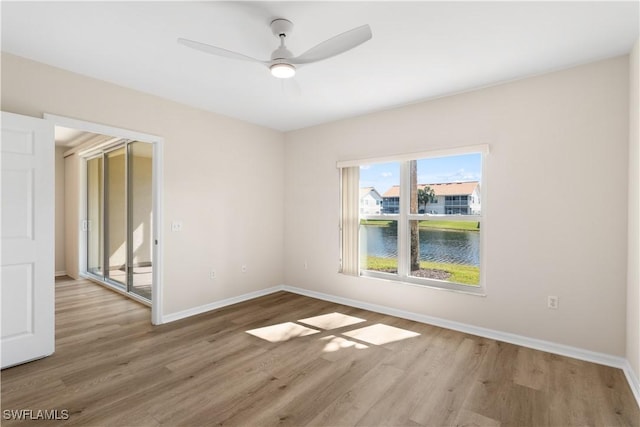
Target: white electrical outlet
{"type": "Point", "coordinates": [212, 274]}
{"type": "Point", "coordinates": [243, 268]}
{"type": "Point", "coordinates": [176, 226]}
{"type": "Point", "coordinates": [552, 302]}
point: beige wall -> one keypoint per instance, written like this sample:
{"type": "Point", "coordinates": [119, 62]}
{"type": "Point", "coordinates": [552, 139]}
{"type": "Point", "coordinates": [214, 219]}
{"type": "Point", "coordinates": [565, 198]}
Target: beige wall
{"type": "Point", "coordinates": [216, 171]}
{"type": "Point", "coordinates": [558, 142]}
{"type": "Point", "coordinates": [59, 209]}
{"type": "Point", "coordinates": [633, 267]}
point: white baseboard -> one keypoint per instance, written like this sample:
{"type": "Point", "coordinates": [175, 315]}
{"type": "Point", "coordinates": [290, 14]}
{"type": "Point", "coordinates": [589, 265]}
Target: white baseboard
{"type": "Point", "coordinates": [548, 346]}
{"type": "Point", "coordinates": [60, 273]}
{"type": "Point", "coordinates": [633, 381]}
{"type": "Point", "coordinates": [219, 304]}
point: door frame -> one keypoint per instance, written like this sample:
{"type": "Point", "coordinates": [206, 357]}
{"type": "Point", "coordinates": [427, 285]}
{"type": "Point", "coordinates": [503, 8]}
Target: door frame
{"type": "Point", "coordinates": [156, 189]}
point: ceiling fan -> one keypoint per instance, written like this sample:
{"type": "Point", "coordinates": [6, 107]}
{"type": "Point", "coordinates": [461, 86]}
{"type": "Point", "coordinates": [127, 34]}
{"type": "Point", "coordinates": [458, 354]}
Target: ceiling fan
{"type": "Point", "coordinates": [282, 63]}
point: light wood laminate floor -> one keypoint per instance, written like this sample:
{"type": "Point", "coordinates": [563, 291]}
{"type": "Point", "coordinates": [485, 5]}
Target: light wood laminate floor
{"type": "Point", "coordinates": [347, 367]}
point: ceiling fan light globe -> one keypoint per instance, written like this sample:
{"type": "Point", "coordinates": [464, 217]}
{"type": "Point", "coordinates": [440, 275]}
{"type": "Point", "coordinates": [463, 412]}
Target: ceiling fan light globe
{"type": "Point", "coordinates": [283, 71]}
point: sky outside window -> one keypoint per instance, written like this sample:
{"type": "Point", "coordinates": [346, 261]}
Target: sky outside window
{"type": "Point", "coordinates": [462, 168]}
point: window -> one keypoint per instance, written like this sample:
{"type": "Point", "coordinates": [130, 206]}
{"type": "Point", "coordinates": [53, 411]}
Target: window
{"type": "Point", "coordinates": [414, 238]}
{"type": "Point", "coordinates": [378, 237]}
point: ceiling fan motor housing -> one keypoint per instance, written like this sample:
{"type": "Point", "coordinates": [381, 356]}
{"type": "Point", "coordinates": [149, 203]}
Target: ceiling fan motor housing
{"type": "Point", "coordinates": [281, 27]}
{"type": "Point", "coordinates": [281, 53]}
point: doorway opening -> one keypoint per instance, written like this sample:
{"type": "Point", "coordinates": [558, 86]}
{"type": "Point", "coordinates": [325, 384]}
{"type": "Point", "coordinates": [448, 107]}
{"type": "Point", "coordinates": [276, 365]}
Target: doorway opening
{"type": "Point", "coordinates": [112, 215]}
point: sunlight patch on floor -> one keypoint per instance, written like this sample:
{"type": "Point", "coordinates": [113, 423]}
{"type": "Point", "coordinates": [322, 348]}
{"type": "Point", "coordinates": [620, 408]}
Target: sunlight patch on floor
{"type": "Point", "coordinates": [331, 320]}
{"type": "Point", "coordinates": [282, 332]}
{"type": "Point", "coordinates": [380, 334]}
{"type": "Point", "coordinates": [338, 343]}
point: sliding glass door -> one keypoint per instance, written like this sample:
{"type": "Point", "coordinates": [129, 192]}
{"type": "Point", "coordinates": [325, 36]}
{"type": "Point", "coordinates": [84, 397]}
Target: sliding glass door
{"type": "Point", "coordinates": [115, 235]}
{"type": "Point", "coordinates": [95, 195]}
{"type": "Point", "coordinates": [119, 214]}
{"type": "Point", "coordinates": [140, 239]}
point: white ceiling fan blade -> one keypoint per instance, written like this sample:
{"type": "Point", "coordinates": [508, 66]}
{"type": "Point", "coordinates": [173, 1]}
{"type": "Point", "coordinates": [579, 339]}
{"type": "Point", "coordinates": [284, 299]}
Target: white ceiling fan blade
{"type": "Point", "coordinates": [207, 48]}
{"type": "Point", "coordinates": [335, 45]}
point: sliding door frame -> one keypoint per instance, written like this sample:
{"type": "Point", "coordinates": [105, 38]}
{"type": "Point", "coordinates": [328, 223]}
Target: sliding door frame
{"type": "Point", "coordinates": [157, 202]}
{"type": "Point", "coordinates": [128, 277]}
{"type": "Point", "coordinates": [106, 276]}
{"type": "Point", "coordinates": [85, 268]}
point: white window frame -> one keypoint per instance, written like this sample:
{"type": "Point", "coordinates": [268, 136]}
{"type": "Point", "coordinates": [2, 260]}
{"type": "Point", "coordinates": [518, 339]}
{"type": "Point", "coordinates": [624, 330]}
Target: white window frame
{"type": "Point", "coordinates": [404, 216]}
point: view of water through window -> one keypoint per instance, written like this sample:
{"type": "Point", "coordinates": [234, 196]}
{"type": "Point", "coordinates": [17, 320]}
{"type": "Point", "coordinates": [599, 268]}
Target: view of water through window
{"type": "Point", "coordinates": [456, 247]}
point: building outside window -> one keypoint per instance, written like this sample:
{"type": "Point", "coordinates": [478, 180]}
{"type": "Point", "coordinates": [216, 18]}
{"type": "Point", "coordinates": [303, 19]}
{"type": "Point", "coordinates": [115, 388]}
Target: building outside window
{"type": "Point", "coordinates": [370, 201]}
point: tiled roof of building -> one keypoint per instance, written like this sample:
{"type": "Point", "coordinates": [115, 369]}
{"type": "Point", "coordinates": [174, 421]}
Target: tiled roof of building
{"type": "Point", "coordinates": [440, 189]}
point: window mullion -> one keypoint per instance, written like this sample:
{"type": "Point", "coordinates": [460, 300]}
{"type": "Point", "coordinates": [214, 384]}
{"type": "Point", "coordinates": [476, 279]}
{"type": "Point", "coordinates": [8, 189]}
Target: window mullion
{"type": "Point", "coordinates": [404, 241]}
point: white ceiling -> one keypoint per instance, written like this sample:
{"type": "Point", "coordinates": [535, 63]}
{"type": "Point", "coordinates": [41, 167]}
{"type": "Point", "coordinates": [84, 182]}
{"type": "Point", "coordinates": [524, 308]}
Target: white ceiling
{"type": "Point", "coordinates": [67, 137]}
{"type": "Point", "coordinates": [419, 50]}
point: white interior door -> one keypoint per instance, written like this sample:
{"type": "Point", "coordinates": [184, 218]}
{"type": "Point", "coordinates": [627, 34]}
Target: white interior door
{"type": "Point", "coordinates": [27, 232]}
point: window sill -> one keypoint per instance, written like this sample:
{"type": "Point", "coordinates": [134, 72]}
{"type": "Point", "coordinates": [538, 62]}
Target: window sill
{"type": "Point", "coordinates": [439, 285]}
